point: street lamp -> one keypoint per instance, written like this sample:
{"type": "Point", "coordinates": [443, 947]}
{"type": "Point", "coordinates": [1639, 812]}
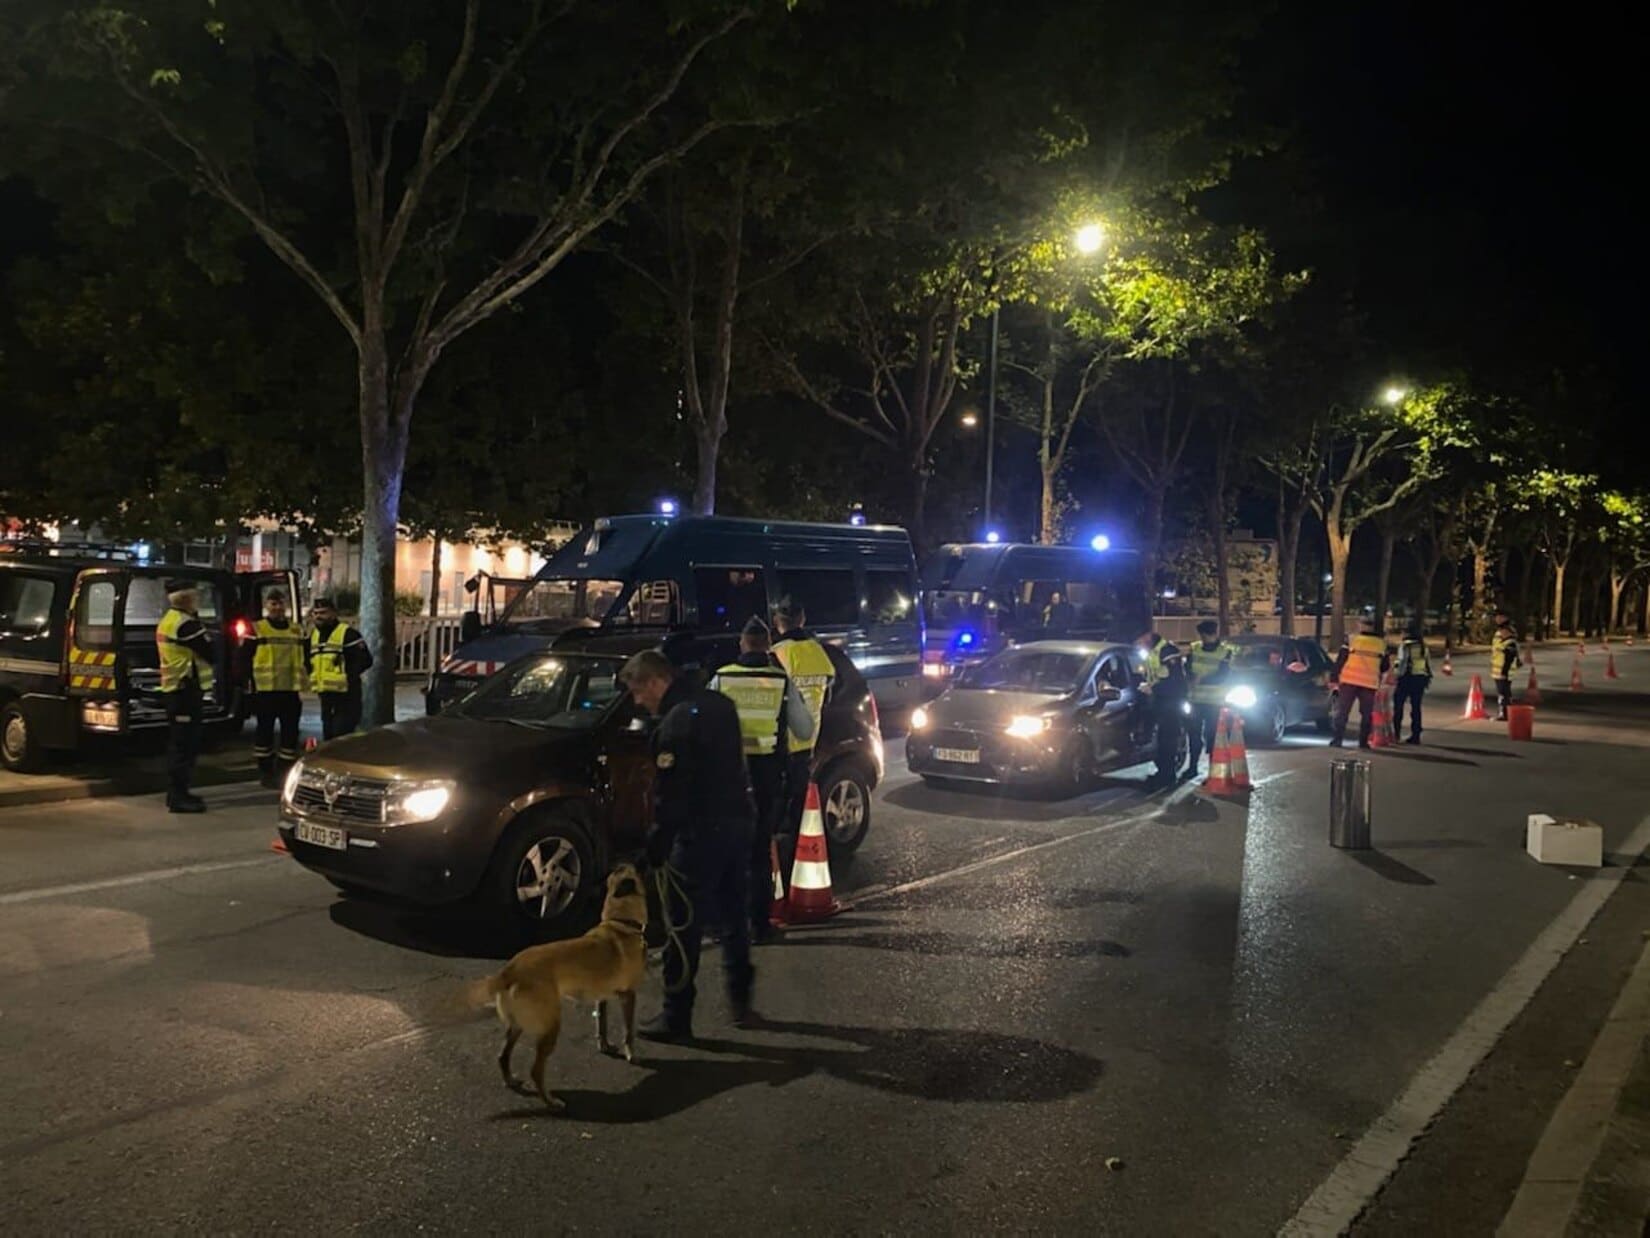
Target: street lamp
{"type": "Point", "coordinates": [1089, 238]}
{"type": "Point", "coordinates": [1394, 395]}
{"type": "Point", "coordinates": [970, 420]}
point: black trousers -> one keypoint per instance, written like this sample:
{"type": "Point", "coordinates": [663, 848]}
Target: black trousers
{"type": "Point", "coordinates": [340, 713]}
{"type": "Point", "coordinates": [1410, 688]}
{"type": "Point", "coordinates": [1503, 695]}
{"type": "Point", "coordinates": [768, 789]}
{"type": "Point", "coordinates": [284, 708]}
{"type": "Point", "coordinates": [1200, 732]}
{"type": "Point", "coordinates": [1366, 712]}
{"type": "Point", "coordinates": [183, 737]}
{"type": "Point", "coordinates": [1171, 724]}
{"type": "Point", "coordinates": [714, 871]}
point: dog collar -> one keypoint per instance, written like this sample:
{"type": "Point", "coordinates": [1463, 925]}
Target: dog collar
{"type": "Point", "coordinates": [633, 925]}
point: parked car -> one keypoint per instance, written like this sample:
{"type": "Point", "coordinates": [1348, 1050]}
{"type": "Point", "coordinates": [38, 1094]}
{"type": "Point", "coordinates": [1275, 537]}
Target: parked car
{"type": "Point", "coordinates": [1048, 713]}
{"type": "Point", "coordinates": [522, 793]}
{"type": "Point", "coordinates": [1279, 682]}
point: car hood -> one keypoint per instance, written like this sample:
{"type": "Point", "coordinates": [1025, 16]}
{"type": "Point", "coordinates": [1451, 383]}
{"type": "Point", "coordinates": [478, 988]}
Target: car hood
{"type": "Point", "coordinates": [971, 705]}
{"type": "Point", "coordinates": [445, 746]}
{"type": "Point", "coordinates": [1260, 678]}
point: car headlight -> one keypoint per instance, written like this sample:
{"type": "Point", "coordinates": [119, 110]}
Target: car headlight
{"type": "Point", "coordinates": [408, 803]}
{"type": "Point", "coordinates": [1027, 726]}
{"type": "Point", "coordinates": [294, 776]}
{"type": "Point", "coordinates": [919, 718]}
{"type": "Point", "coordinates": [1241, 697]}
{"type": "Point", "coordinates": [1186, 708]}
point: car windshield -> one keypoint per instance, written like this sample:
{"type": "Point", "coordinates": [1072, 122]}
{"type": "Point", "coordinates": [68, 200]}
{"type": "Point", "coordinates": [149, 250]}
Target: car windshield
{"type": "Point", "coordinates": [570, 693]}
{"type": "Point", "coordinates": [1260, 655]}
{"type": "Point", "coordinates": [554, 605]}
{"type": "Point", "coordinates": [1030, 670]}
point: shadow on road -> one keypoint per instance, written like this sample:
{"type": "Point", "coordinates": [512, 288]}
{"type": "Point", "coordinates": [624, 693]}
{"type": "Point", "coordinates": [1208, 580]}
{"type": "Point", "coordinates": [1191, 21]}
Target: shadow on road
{"type": "Point", "coordinates": [1434, 844]}
{"type": "Point", "coordinates": [1003, 898]}
{"type": "Point", "coordinates": [939, 1064]}
{"type": "Point", "coordinates": [1476, 752]}
{"type": "Point", "coordinates": [1428, 758]}
{"type": "Point", "coordinates": [957, 945]}
{"type": "Point", "coordinates": [1008, 808]}
{"type": "Point", "coordinates": [1383, 865]}
{"type": "Point", "coordinates": [448, 934]}
{"type": "Point", "coordinates": [1193, 810]}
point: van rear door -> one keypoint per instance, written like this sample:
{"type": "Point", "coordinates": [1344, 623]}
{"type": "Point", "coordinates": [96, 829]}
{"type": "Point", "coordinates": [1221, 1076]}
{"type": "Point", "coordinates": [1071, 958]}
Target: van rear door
{"type": "Point", "coordinates": [94, 662]}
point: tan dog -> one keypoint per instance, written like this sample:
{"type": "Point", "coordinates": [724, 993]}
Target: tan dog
{"type": "Point", "coordinates": [608, 961]}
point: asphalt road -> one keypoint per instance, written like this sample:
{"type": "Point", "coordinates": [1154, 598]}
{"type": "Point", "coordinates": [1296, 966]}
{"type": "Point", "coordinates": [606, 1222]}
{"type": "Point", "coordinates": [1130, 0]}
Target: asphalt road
{"type": "Point", "coordinates": [199, 1034]}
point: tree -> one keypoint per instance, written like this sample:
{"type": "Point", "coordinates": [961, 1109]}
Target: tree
{"type": "Point", "coordinates": [523, 142]}
{"type": "Point", "coordinates": [1561, 504]}
{"type": "Point", "coordinates": [1434, 539]}
{"type": "Point", "coordinates": [1625, 534]}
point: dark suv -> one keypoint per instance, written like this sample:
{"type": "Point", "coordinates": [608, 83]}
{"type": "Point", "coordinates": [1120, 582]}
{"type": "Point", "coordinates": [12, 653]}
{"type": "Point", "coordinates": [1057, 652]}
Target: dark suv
{"type": "Point", "coordinates": [523, 792]}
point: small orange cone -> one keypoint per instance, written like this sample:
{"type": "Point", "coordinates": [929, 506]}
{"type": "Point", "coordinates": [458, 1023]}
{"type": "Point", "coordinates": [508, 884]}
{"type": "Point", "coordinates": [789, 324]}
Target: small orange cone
{"type": "Point", "coordinates": [779, 910]}
{"type": "Point", "coordinates": [1581, 648]}
{"type": "Point", "coordinates": [1237, 755]}
{"type": "Point", "coordinates": [1532, 690]}
{"type": "Point", "coordinates": [1575, 674]}
{"type": "Point", "coordinates": [1219, 781]}
{"type": "Point", "coordinates": [1475, 711]}
{"type": "Point", "coordinates": [811, 897]}
{"type": "Point", "coordinates": [279, 846]}
{"type": "Point", "coordinates": [1446, 667]}
{"type": "Point", "coordinates": [1610, 663]}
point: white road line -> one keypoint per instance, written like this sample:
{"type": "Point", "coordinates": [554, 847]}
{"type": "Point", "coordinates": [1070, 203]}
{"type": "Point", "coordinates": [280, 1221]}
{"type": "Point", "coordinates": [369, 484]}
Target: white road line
{"type": "Point", "coordinates": [1348, 1190]}
{"type": "Point", "coordinates": [1277, 777]}
{"type": "Point", "coordinates": [130, 879]}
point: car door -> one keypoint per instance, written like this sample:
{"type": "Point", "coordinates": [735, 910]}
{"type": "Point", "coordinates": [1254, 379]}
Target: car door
{"type": "Point", "coordinates": [1113, 723]}
{"type": "Point", "coordinates": [94, 655]}
{"type": "Point", "coordinates": [624, 762]}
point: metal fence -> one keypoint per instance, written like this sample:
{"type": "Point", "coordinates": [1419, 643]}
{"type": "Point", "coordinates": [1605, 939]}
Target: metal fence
{"type": "Point", "coordinates": [422, 643]}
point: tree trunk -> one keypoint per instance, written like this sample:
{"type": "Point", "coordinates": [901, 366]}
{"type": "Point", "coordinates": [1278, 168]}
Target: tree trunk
{"type": "Point", "coordinates": [1340, 551]}
{"type": "Point", "coordinates": [1575, 610]}
{"type": "Point", "coordinates": [916, 520]}
{"type": "Point", "coordinates": [435, 575]}
{"type": "Point", "coordinates": [1425, 585]}
{"type": "Point", "coordinates": [1048, 464]}
{"type": "Point", "coordinates": [1289, 543]}
{"type": "Point", "coordinates": [1151, 542]}
{"type": "Point", "coordinates": [1480, 586]}
{"type": "Point", "coordinates": [1453, 633]}
{"type": "Point", "coordinates": [1558, 596]}
{"type": "Point", "coordinates": [1618, 584]}
{"type": "Point", "coordinates": [1217, 531]}
{"type": "Point", "coordinates": [708, 440]}
{"type": "Point", "coordinates": [1389, 541]}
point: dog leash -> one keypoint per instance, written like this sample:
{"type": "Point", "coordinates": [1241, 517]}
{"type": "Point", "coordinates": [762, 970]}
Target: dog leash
{"type": "Point", "coordinates": [667, 880]}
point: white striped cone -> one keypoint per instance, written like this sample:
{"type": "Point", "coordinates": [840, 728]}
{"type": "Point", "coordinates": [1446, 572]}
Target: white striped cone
{"type": "Point", "coordinates": [811, 897]}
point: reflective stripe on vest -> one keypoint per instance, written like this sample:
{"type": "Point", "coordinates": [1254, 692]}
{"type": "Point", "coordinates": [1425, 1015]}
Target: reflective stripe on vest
{"type": "Point", "coordinates": [278, 660]}
{"type": "Point", "coordinates": [327, 669]}
{"type": "Point", "coordinates": [1416, 659]}
{"type": "Point", "coordinates": [1363, 662]}
{"type": "Point", "coordinates": [1151, 663]}
{"type": "Point", "coordinates": [810, 669]}
{"type": "Point", "coordinates": [1203, 662]}
{"type": "Point", "coordinates": [179, 662]}
{"type": "Point", "coordinates": [758, 693]}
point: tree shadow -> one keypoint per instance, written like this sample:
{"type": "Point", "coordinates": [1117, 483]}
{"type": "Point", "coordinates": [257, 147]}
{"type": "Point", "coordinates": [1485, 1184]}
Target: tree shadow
{"type": "Point", "coordinates": [959, 1066]}
{"type": "Point", "coordinates": [1383, 865]}
{"type": "Point", "coordinates": [1476, 752]}
{"type": "Point", "coordinates": [1406, 753]}
{"type": "Point", "coordinates": [957, 945]}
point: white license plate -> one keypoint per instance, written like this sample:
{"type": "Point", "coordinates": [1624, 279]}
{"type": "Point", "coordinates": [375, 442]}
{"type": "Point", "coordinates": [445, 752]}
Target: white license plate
{"type": "Point", "coordinates": [958, 756]}
{"type": "Point", "coordinates": [329, 836]}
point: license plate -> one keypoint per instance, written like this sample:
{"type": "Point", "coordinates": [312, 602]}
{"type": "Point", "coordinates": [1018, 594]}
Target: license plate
{"type": "Point", "coordinates": [958, 756]}
{"type": "Point", "coordinates": [329, 836]}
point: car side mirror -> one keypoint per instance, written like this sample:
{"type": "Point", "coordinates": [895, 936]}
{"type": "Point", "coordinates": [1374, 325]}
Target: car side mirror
{"type": "Point", "coordinates": [469, 626]}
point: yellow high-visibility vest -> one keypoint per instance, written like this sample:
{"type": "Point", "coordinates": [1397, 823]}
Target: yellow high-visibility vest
{"type": "Point", "coordinates": [1203, 663]}
{"type": "Point", "coordinates": [179, 663]}
{"type": "Point", "coordinates": [327, 669]}
{"type": "Point", "coordinates": [758, 693]}
{"type": "Point", "coordinates": [810, 669]}
{"type": "Point", "coordinates": [278, 661]}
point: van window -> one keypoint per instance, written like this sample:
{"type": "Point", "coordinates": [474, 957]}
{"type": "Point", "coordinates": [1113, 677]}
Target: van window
{"type": "Point", "coordinates": [729, 596]}
{"type": "Point", "coordinates": [827, 594]}
{"type": "Point", "coordinates": [25, 604]}
{"type": "Point", "coordinates": [890, 595]}
{"type": "Point", "coordinates": [94, 618]}
{"type": "Point", "coordinates": [146, 601]}
{"type": "Point", "coordinates": [653, 603]}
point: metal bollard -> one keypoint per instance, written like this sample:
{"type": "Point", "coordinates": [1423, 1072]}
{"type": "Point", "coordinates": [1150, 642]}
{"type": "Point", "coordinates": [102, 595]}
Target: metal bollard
{"type": "Point", "coordinates": [1349, 804]}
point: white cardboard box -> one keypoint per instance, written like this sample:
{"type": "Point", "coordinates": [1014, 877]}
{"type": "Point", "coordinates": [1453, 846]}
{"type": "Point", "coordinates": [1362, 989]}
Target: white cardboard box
{"type": "Point", "coordinates": [1565, 842]}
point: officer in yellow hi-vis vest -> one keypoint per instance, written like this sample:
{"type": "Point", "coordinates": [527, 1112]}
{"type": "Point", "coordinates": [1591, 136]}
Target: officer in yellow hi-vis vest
{"type": "Point", "coordinates": [1208, 668]}
{"type": "Point", "coordinates": [186, 678]}
{"type": "Point", "coordinates": [1504, 660]}
{"type": "Point", "coordinates": [804, 659]}
{"type": "Point", "coordinates": [1414, 671]}
{"type": "Point", "coordinates": [770, 708]}
{"type": "Point", "coordinates": [1358, 670]}
{"type": "Point", "coordinates": [338, 657]}
{"type": "Point", "coordinates": [276, 654]}
{"type": "Point", "coordinates": [1163, 684]}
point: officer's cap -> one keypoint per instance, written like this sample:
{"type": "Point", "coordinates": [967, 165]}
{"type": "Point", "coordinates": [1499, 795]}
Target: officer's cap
{"type": "Point", "coordinates": [755, 629]}
{"type": "Point", "coordinates": [791, 610]}
{"type": "Point", "coordinates": [177, 584]}
{"type": "Point", "coordinates": [1208, 628]}
{"type": "Point", "coordinates": [324, 603]}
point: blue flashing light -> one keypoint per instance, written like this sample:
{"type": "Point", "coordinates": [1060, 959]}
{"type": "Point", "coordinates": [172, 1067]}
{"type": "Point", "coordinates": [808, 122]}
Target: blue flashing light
{"type": "Point", "coordinates": [142, 551]}
{"type": "Point", "coordinates": [856, 515]}
{"type": "Point", "coordinates": [667, 507]}
{"type": "Point", "coordinates": [1099, 542]}
{"type": "Point", "coordinates": [964, 639]}
{"type": "Point", "coordinates": [992, 536]}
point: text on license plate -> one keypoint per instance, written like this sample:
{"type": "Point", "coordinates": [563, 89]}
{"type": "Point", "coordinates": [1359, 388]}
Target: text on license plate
{"type": "Point", "coordinates": [322, 835]}
{"type": "Point", "coordinates": [958, 756]}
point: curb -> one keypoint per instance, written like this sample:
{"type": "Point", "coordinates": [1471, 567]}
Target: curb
{"type": "Point", "coordinates": [125, 785]}
{"type": "Point", "coordinates": [1585, 1175]}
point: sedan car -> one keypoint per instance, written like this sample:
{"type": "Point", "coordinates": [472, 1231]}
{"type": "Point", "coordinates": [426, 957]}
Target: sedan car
{"type": "Point", "coordinates": [522, 794]}
{"type": "Point", "coordinates": [1048, 713]}
{"type": "Point", "coordinates": [1279, 682]}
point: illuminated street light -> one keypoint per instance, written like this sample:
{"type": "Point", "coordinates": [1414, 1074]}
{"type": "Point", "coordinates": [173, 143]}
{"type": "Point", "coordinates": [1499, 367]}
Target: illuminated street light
{"type": "Point", "coordinates": [1100, 542]}
{"type": "Point", "coordinates": [1394, 395]}
{"type": "Point", "coordinates": [970, 420]}
{"type": "Point", "coordinates": [667, 507]}
{"type": "Point", "coordinates": [1090, 237]}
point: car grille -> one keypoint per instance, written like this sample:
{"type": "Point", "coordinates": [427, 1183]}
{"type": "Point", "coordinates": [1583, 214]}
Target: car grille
{"type": "Point", "coordinates": [953, 737]}
{"type": "Point", "coordinates": [355, 801]}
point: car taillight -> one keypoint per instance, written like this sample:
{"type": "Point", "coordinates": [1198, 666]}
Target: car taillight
{"type": "Point", "coordinates": [876, 718]}
{"type": "Point", "coordinates": [241, 628]}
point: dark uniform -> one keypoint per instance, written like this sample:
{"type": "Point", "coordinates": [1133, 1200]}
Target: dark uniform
{"type": "Point", "coordinates": [1504, 660]}
{"type": "Point", "coordinates": [1414, 677]}
{"type": "Point", "coordinates": [703, 819]}
{"type": "Point", "coordinates": [1208, 665]}
{"type": "Point", "coordinates": [186, 676]}
{"type": "Point", "coordinates": [1160, 667]}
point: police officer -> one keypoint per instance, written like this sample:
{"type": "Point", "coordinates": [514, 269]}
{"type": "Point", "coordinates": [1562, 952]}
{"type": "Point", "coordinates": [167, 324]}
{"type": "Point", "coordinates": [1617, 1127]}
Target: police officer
{"type": "Point", "coordinates": [1358, 669]}
{"type": "Point", "coordinates": [1164, 685]}
{"type": "Point", "coordinates": [275, 668]}
{"type": "Point", "coordinates": [1504, 660]}
{"type": "Point", "coordinates": [703, 818]}
{"type": "Point", "coordinates": [1414, 670]}
{"type": "Point", "coordinates": [186, 678]}
{"type": "Point", "coordinates": [770, 708]}
{"type": "Point", "coordinates": [804, 659]}
{"type": "Point", "coordinates": [1208, 667]}
{"type": "Point", "coordinates": [1057, 615]}
{"type": "Point", "coordinates": [338, 657]}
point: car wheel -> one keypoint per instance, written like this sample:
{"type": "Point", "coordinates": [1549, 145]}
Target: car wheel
{"type": "Point", "coordinates": [845, 799]}
{"type": "Point", "coordinates": [19, 750]}
{"type": "Point", "coordinates": [543, 873]}
{"type": "Point", "coordinates": [1277, 725]}
{"type": "Point", "coordinates": [1079, 773]}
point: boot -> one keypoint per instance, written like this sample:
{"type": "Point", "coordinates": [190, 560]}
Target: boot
{"type": "Point", "coordinates": [184, 802]}
{"type": "Point", "coordinates": [663, 1030]}
{"type": "Point", "coordinates": [266, 772]}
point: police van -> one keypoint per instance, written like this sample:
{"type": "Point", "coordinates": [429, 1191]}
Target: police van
{"type": "Point", "coordinates": [78, 658]}
{"type": "Point", "coordinates": [979, 597]}
{"type": "Point", "coordinates": [708, 575]}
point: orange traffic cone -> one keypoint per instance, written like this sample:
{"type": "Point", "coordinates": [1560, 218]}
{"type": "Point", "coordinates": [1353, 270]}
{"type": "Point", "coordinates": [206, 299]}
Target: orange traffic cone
{"type": "Point", "coordinates": [1581, 648]}
{"type": "Point", "coordinates": [1475, 711]}
{"type": "Point", "coordinates": [1575, 674]}
{"type": "Point", "coordinates": [811, 898]}
{"type": "Point", "coordinates": [1446, 667]}
{"type": "Point", "coordinates": [1610, 663]}
{"type": "Point", "coordinates": [1382, 733]}
{"type": "Point", "coordinates": [1237, 755]}
{"type": "Point", "coordinates": [779, 910]}
{"type": "Point", "coordinates": [1532, 690]}
{"type": "Point", "coordinates": [279, 846]}
{"type": "Point", "coordinates": [1219, 781]}
{"type": "Point", "coordinates": [311, 744]}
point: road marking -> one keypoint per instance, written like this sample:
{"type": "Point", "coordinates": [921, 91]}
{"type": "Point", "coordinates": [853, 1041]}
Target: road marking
{"type": "Point", "coordinates": [1354, 1183]}
{"type": "Point", "coordinates": [1277, 777]}
{"type": "Point", "coordinates": [130, 879]}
